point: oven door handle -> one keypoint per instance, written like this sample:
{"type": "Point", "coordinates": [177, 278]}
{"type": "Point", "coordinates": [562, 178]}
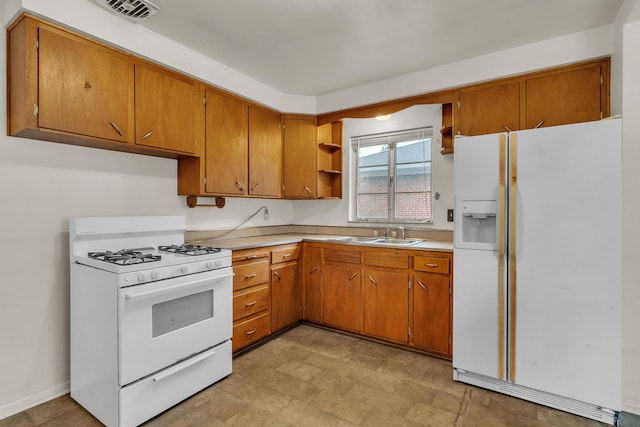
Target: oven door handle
{"type": "Point", "coordinates": [132, 296]}
{"type": "Point", "coordinates": [181, 367]}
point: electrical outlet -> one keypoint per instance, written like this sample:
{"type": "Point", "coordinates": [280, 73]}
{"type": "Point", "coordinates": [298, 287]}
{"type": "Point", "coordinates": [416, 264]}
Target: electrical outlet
{"type": "Point", "coordinates": [266, 214]}
{"type": "Point", "coordinates": [449, 215]}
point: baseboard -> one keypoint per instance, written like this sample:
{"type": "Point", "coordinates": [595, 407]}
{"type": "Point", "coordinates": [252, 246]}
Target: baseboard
{"type": "Point", "coordinates": [628, 419]}
{"type": "Point", "coordinates": [20, 405]}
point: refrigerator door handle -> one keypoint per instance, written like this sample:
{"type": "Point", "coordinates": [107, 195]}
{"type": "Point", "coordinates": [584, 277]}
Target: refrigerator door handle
{"type": "Point", "coordinates": [501, 257]}
{"type": "Point", "coordinates": [513, 145]}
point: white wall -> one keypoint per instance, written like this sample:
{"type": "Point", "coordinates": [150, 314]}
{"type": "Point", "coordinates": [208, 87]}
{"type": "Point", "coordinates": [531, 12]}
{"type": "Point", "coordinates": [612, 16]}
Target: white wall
{"type": "Point", "coordinates": [336, 212]}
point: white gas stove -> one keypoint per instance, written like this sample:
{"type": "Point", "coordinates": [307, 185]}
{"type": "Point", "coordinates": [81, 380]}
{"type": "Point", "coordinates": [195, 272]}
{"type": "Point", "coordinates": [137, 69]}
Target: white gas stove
{"type": "Point", "coordinates": [151, 317]}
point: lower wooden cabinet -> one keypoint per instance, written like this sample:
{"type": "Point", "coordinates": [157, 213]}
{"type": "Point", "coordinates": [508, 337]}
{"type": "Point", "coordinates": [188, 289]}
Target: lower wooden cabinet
{"type": "Point", "coordinates": [250, 330]}
{"type": "Point", "coordinates": [386, 304]}
{"type": "Point", "coordinates": [398, 295]}
{"type": "Point", "coordinates": [286, 296]}
{"type": "Point", "coordinates": [342, 296]}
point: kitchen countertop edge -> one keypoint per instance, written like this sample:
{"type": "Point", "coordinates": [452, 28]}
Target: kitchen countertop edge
{"type": "Point", "coordinates": [283, 239]}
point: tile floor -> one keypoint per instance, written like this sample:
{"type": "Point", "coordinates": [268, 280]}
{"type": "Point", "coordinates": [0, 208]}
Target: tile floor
{"type": "Point", "coordinates": [310, 376]}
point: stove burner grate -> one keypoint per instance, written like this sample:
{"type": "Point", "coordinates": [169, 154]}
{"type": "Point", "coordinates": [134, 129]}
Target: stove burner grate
{"type": "Point", "coordinates": [124, 257]}
{"type": "Point", "coordinates": [187, 249]}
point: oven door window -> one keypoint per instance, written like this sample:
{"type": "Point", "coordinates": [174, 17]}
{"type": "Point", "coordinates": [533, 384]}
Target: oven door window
{"type": "Point", "coordinates": [178, 313]}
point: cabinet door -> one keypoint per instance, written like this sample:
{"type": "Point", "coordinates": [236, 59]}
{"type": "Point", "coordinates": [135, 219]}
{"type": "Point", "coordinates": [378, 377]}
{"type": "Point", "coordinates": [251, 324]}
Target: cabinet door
{"type": "Point", "coordinates": [265, 153]}
{"type": "Point", "coordinates": [300, 157]}
{"type": "Point", "coordinates": [165, 110]}
{"type": "Point", "coordinates": [312, 272]}
{"type": "Point", "coordinates": [386, 304]}
{"type": "Point", "coordinates": [431, 312]}
{"type": "Point", "coordinates": [570, 97]}
{"type": "Point", "coordinates": [286, 301]}
{"type": "Point", "coordinates": [488, 109]}
{"type": "Point", "coordinates": [83, 89]}
{"type": "Point", "coordinates": [226, 131]}
{"type": "Point", "coordinates": [341, 288]}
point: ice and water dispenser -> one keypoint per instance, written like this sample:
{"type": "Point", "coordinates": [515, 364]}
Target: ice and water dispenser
{"type": "Point", "coordinates": [477, 224]}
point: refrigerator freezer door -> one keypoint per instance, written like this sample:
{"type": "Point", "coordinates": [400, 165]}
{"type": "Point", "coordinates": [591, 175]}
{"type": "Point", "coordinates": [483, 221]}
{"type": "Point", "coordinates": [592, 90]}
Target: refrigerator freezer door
{"type": "Point", "coordinates": [567, 288]}
{"type": "Point", "coordinates": [479, 304]}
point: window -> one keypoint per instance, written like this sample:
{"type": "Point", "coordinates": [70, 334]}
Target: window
{"type": "Point", "coordinates": [393, 176]}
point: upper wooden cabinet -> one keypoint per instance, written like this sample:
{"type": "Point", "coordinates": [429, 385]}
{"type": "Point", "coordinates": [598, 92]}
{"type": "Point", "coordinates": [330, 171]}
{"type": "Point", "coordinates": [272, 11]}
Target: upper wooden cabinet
{"type": "Point", "coordinates": [83, 89]}
{"type": "Point", "coordinates": [570, 94]}
{"type": "Point", "coordinates": [574, 95]}
{"type": "Point", "coordinates": [330, 160]}
{"type": "Point", "coordinates": [165, 110]}
{"type": "Point", "coordinates": [265, 152]}
{"type": "Point", "coordinates": [488, 109]}
{"type": "Point", "coordinates": [227, 127]}
{"type": "Point", "coordinates": [66, 88]}
{"type": "Point", "coordinates": [300, 157]}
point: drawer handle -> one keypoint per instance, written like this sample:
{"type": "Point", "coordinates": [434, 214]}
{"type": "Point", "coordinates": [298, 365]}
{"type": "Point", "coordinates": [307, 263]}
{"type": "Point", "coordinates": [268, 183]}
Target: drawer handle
{"type": "Point", "coordinates": [275, 273]}
{"type": "Point", "coordinates": [286, 255]}
{"type": "Point", "coordinates": [249, 304]}
{"type": "Point", "coordinates": [249, 276]}
{"type": "Point", "coordinates": [251, 257]}
{"type": "Point", "coordinates": [116, 128]}
{"type": "Point", "coordinates": [313, 269]}
{"type": "Point", "coordinates": [353, 276]}
{"type": "Point", "coordinates": [422, 285]}
{"type": "Point", "coordinates": [179, 368]}
{"type": "Point", "coordinates": [431, 265]}
{"type": "Point", "coordinates": [372, 280]}
{"type": "Point", "coordinates": [251, 332]}
{"type": "Point", "coordinates": [146, 135]}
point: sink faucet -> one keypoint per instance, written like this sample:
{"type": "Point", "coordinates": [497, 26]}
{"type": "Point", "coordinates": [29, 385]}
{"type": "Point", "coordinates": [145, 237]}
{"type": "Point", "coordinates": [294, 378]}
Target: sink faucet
{"type": "Point", "coordinates": [399, 228]}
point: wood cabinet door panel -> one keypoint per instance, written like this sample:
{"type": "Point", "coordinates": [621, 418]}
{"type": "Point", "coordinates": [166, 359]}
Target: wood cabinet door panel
{"type": "Point", "coordinates": [562, 98]}
{"type": "Point", "coordinates": [227, 145]}
{"type": "Point", "coordinates": [431, 312]}
{"type": "Point", "coordinates": [83, 89]}
{"type": "Point", "coordinates": [386, 304]}
{"type": "Point", "coordinates": [286, 296]}
{"type": "Point", "coordinates": [165, 110]}
{"type": "Point", "coordinates": [488, 109]}
{"type": "Point", "coordinates": [265, 153]}
{"type": "Point", "coordinates": [300, 158]}
{"type": "Point", "coordinates": [312, 279]}
{"type": "Point", "coordinates": [342, 296]}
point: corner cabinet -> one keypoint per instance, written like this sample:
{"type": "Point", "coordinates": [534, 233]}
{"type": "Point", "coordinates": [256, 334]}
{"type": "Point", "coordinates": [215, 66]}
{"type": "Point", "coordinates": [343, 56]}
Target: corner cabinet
{"type": "Point", "coordinates": [330, 160]}
{"type": "Point", "coordinates": [66, 88]}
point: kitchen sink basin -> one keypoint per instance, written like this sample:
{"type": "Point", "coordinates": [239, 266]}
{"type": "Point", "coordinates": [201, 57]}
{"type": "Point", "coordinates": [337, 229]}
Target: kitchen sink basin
{"type": "Point", "coordinates": [402, 242]}
{"type": "Point", "coordinates": [381, 240]}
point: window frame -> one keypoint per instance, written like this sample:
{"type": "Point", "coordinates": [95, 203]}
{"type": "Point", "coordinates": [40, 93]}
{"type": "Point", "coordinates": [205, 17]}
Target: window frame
{"type": "Point", "coordinates": [395, 138]}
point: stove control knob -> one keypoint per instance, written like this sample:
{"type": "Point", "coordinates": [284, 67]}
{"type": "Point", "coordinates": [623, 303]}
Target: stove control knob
{"type": "Point", "coordinates": [141, 277]}
{"type": "Point", "coordinates": [218, 263]}
{"type": "Point", "coordinates": [184, 269]}
{"type": "Point", "coordinates": [154, 275]}
{"type": "Point", "coordinates": [210, 265]}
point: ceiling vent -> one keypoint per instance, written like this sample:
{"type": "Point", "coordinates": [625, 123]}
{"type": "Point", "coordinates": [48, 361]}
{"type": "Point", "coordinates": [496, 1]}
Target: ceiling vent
{"type": "Point", "coordinates": [133, 10]}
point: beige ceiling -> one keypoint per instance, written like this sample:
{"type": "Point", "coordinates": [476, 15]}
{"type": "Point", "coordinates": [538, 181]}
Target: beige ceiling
{"type": "Point", "coordinates": [312, 47]}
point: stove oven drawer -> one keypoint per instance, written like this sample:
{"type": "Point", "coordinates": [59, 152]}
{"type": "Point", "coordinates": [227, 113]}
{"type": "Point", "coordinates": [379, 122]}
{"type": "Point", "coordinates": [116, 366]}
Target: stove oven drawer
{"type": "Point", "coordinates": [252, 330]}
{"type": "Point", "coordinates": [148, 397]}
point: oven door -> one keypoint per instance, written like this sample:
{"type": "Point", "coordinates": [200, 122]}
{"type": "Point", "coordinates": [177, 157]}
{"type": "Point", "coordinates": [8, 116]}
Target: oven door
{"type": "Point", "coordinates": [163, 322]}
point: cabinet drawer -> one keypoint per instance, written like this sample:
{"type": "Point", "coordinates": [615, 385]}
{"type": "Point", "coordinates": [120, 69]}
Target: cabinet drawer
{"type": "Point", "coordinates": [250, 274]}
{"type": "Point", "coordinates": [250, 301]}
{"type": "Point", "coordinates": [342, 255]}
{"type": "Point", "coordinates": [251, 330]}
{"type": "Point", "coordinates": [392, 258]}
{"type": "Point", "coordinates": [249, 255]}
{"type": "Point", "coordinates": [284, 254]}
{"type": "Point", "coordinates": [431, 264]}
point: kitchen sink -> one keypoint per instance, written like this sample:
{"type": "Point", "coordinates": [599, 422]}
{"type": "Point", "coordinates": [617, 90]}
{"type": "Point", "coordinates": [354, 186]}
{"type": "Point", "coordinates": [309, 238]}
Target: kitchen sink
{"type": "Point", "coordinates": [381, 240]}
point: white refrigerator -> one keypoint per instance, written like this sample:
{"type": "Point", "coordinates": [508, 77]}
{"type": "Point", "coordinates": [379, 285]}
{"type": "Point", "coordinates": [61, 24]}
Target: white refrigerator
{"type": "Point", "coordinates": [537, 271]}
